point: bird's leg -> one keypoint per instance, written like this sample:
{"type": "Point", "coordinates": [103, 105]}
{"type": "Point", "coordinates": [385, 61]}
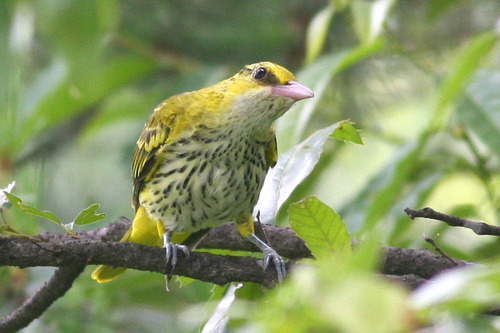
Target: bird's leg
{"type": "Point", "coordinates": [171, 250]}
{"type": "Point", "coordinates": [246, 229]}
{"type": "Point", "coordinates": [270, 255]}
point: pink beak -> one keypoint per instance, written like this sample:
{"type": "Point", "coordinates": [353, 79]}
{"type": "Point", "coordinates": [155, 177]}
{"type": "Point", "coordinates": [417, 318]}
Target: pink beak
{"type": "Point", "coordinates": [293, 90]}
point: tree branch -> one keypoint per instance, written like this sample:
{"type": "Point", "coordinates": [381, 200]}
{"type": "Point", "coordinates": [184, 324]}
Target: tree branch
{"type": "Point", "coordinates": [479, 228]}
{"type": "Point", "coordinates": [101, 246]}
{"type": "Point", "coordinates": [36, 305]}
{"type": "Point", "coordinates": [226, 236]}
{"type": "Point", "coordinates": [422, 263]}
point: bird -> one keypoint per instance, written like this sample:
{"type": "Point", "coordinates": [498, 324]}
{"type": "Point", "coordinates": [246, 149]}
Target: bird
{"type": "Point", "coordinates": [201, 160]}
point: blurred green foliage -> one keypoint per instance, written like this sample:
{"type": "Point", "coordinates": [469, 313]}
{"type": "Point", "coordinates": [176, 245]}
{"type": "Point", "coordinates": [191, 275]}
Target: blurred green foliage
{"type": "Point", "coordinates": [421, 79]}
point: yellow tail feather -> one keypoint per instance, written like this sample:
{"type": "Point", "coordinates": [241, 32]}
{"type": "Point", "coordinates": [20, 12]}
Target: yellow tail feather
{"type": "Point", "coordinates": [144, 230]}
{"type": "Point", "coordinates": [105, 273]}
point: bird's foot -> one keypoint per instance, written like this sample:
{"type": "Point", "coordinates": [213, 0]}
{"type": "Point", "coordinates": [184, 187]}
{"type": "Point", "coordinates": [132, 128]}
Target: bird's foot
{"type": "Point", "coordinates": [270, 255]}
{"type": "Point", "coordinates": [171, 250]}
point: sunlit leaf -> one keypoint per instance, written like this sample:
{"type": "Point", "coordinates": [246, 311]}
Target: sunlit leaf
{"type": "Point", "coordinates": [291, 169]}
{"type": "Point", "coordinates": [320, 227]}
{"type": "Point", "coordinates": [16, 201]}
{"type": "Point", "coordinates": [89, 215]}
{"type": "Point", "coordinates": [346, 131]}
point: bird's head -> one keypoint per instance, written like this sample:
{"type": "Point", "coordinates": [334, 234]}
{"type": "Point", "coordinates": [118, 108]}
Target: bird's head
{"type": "Point", "coordinates": [265, 90]}
{"type": "Point", "coordinates": [281, 81]}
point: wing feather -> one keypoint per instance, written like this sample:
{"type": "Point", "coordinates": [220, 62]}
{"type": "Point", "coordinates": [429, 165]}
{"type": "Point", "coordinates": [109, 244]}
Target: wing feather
{"type": "Point", "coordinates": [146, 160]}
{"type": "Point", "coordinates": [272, 150]}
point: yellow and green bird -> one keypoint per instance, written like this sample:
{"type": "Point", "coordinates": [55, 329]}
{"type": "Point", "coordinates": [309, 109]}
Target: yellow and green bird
{"type": "Point", "coordinates": [201, 160]}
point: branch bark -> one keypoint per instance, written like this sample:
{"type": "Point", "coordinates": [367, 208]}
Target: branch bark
{"type": "Point", "coordinates": [100, 246]}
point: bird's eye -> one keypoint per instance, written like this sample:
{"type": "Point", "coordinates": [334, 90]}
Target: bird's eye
{"type": "Point", "coordinates": [260, 73]}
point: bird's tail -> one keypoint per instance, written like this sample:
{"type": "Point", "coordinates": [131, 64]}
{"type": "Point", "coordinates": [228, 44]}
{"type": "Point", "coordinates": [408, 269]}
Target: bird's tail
{"type": "Point", "coordinates": [144, 230]}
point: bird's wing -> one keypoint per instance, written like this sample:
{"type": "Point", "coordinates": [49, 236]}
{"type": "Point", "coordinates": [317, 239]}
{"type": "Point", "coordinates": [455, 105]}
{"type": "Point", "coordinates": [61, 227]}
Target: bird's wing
{"type": "Point", "coordinates": [146, 159]}
{"type": "Point", "coordinates": [272, 150]}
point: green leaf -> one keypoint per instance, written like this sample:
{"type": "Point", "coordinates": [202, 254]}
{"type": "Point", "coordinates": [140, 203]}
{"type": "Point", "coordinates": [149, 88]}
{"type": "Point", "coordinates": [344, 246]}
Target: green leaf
{"type": "Point", "coordinates": [317, 32]}
{"type": "Point", "coordinates": [479, 110]}
{"type": "Point", "coordinates": [346, 131]}
{"type": "Point", "coordinates": [89, 215]}
{"type": "Point", "coordinates": [321, 228]}
{"type": "Point", "coordinates": [16, 201]}
{"type": "Point", "coordinates": [468, 61]}
{"type": "Point", "coordinates": [291, 169]}
{"type": "Point", "coordinates": [370, 17]}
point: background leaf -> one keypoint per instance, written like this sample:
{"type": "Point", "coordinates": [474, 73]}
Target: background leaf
{"type": "Point", "coordinates": [317, 76]}
{"type": "Point", "coordinates": [461, 290]}
{"type": "Point", "coordinates": [461, 73]}
{"type": "Point", "coordinates": [317, 32]}
{"type": "Point", "coordinates": [480, 110]}
{"type": "Point", "coordinates": [370, 17]}
{"type": "Point", "coordinates": [75, 94]}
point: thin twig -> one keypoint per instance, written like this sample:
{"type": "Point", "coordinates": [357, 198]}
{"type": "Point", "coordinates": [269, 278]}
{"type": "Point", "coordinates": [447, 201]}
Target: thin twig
{"type": "Point", "coordinates": [478, 227]}
{"type": "Point", "coordinates": [437, 249]}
